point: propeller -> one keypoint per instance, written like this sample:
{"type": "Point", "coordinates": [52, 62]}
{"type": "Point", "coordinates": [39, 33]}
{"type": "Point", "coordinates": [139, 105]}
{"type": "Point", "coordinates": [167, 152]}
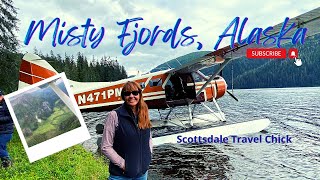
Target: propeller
{"type": "Point", "coordinates": [231, 94]}
{"type": "Point", "coordinates": [234, 97]}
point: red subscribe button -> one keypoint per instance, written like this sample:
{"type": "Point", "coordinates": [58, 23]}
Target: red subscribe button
{"type": "Point", "coordinates": [259, 53]}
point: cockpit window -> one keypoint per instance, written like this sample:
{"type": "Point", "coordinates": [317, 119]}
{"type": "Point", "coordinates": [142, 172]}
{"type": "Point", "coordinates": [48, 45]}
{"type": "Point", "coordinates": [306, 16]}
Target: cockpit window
{"type": "Point", "coordinates": [143, 85]}
{"type": "Point", "coordinates": [197, 77]}
{"type": "Point", "coordinates": [155, 82]}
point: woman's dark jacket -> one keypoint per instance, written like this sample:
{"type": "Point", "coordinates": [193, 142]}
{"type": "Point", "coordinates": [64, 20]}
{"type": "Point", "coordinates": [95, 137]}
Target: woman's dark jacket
{"type": "Point", "coordinates": [132, 144]}
{"type": "Point", "coordinates": [6, 123]}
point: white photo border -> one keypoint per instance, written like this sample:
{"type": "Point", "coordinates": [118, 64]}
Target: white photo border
{"type": "Point", "coordinates": [59, 142]}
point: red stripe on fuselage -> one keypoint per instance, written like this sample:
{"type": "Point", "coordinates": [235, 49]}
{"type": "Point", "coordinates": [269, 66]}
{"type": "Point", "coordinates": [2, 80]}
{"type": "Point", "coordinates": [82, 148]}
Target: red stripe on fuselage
{"type": "Point", "coordinates": [112, 93]}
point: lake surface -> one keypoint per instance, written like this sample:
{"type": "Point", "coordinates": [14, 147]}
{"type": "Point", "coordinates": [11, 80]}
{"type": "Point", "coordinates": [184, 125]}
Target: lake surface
{"type": "Point", "coordinates": [292, 111]}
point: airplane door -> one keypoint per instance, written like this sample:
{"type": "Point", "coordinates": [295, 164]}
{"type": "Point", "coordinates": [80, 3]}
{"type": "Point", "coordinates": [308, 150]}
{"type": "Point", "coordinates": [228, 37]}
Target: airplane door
{"type": "Point", "coordinates": [180, 86]}
{"type": "Point", "coordinates": [189, 85]}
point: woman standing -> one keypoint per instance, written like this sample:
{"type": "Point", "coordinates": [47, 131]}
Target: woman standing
{"type": "Point", "coordinates": [126, 138]}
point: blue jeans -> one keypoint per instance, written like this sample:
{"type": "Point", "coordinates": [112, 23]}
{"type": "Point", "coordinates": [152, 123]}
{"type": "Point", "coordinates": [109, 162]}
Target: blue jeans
{"type": "Point", "coordinates": [143, 177]}
{"type": "Point", "coordinates": [4, 139]}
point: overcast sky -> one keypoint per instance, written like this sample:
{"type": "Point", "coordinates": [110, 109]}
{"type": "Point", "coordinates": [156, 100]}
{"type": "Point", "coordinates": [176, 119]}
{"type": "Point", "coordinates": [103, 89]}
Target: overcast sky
{"type": "Point", "coordinates": [207, 18]}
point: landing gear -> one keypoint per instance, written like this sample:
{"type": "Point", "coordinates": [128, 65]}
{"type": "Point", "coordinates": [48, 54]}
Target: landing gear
{"type": "Point", "coordinates": [189, 119]}
{"type": "Point", "coordinates": [190, 115]}
{"type": "Point", "coordinates": [221, 117]}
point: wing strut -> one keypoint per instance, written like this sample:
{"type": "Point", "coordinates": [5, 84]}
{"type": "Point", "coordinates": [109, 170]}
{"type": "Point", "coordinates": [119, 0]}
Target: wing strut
{"type": "Point", "coordinates": [214, 75]}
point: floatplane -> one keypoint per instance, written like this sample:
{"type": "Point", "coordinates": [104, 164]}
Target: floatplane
{"type": "Point", "coordinates": [184, 85]}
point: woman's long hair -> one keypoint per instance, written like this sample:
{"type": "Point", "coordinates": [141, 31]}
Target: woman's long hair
{"type": "Point", "coordinates": [142, 108]}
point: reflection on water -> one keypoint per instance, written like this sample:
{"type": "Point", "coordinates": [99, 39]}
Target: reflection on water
{"type": "Point", "coordinates": [189, 162]}
{"type": "Point", "coordinates": [292, 111]}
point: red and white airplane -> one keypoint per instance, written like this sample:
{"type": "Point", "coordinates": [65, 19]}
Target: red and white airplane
{"type": "Point", "coordinates": [181, 86]}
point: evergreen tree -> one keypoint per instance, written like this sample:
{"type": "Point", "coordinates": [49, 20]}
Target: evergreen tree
{"type": "Point", "coordinates": [8, 24]}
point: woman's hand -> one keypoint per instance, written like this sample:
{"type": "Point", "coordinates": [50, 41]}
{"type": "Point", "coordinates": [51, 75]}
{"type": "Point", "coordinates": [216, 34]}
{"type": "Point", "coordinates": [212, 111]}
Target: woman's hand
{"type": "Point", "coordinates": [123, 166]}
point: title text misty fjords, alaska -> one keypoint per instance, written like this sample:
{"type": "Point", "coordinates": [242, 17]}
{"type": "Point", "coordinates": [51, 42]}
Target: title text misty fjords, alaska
{"type": "Point", "coordinates": [270, 139]}
{"type": "Point", "coordinates": [176, 36]}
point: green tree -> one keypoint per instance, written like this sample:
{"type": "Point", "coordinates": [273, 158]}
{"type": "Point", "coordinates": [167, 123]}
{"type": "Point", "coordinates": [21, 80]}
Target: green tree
{"type": "Point", "coordinates": [8, 24]}
{"type": "Point", "coordinates": [8, 46]}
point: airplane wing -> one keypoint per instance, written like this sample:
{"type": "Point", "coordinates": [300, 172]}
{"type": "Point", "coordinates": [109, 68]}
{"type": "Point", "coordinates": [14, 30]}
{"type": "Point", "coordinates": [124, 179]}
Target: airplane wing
{"type": "Point", "coordinates": [206, 60]}
{"type": "Point", "coordinates": [309, 20]}
{"type": "Point", "coordinates": [202, 59]}
{"type": "Point", "coordinates": [190, 62]}
{"type": "Point", "coordinates": [198, 60]}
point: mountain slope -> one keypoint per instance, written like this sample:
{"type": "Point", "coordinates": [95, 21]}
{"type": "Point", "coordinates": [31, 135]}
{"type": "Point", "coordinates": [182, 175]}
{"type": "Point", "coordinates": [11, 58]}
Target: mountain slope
{"type": "Point", "coordinates": [258, 73]}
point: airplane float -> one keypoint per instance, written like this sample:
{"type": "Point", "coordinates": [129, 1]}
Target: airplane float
{"type": "Point", "coordinates": [185, 85]}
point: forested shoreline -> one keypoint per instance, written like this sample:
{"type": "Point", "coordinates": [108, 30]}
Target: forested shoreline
{"type": "Point", "coordinates": [77, 67]}
{"type": "Point", "coordinates": [276, 73]}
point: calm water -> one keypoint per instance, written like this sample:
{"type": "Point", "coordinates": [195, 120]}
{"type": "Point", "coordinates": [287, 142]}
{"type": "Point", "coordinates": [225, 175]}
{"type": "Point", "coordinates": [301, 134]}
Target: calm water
{"type": "Point", "coordinates": [292, 111]}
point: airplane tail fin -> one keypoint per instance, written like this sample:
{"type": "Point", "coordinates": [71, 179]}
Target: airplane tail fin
{"type": "Point", "coordinates": [34, 69]}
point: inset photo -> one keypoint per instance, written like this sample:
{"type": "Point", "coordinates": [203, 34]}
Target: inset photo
{"type": "Point", "coordinates": [47, 117]}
